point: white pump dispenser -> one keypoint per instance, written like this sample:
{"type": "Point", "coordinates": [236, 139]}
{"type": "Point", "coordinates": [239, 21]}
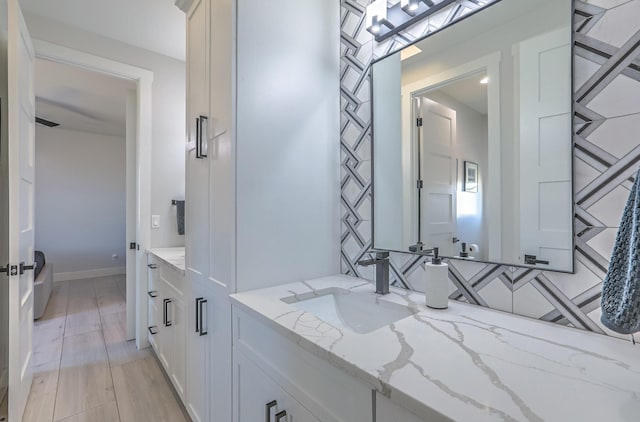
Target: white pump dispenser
{"type": "Point", "coordinates": [436, 282]}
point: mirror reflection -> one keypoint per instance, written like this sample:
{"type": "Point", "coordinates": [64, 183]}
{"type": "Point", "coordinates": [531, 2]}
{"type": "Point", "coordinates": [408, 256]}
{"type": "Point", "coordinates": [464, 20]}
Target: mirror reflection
{"type": "Point", "coordinates": [472, 139]}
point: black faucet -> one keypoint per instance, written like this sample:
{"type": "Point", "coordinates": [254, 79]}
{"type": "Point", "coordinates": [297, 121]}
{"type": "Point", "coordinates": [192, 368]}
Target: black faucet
{"type": "Point", "coordinates": [381, 261]}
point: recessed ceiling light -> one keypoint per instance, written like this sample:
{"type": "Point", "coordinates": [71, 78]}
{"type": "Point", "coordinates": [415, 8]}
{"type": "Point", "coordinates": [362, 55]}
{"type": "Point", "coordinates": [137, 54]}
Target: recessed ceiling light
{"type": "Point", "coordinates": [484, 80]}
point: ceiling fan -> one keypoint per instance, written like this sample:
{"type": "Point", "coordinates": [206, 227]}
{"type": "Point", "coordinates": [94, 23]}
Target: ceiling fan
{"type": "Point", "coordinates": [46, 122]}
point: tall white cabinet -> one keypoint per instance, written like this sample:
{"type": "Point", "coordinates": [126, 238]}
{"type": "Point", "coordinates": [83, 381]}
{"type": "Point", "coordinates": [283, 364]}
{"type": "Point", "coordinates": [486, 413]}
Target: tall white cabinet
{"type": "Point", "coordinates": [263, 171]}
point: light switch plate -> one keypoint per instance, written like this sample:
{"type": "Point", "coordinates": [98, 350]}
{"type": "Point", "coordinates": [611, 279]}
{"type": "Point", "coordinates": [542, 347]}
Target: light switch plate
{"type": "Point", "coordinates": [155, 221]}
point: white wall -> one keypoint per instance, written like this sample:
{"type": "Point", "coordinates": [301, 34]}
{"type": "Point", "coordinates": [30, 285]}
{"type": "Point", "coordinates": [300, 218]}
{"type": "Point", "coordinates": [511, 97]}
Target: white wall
{"type": "Point", "coordinates": [80, 200]}
{"type": "Point", "coordinates": [288, 149]}
{"type": "Point", "coordinates": [168, 143]}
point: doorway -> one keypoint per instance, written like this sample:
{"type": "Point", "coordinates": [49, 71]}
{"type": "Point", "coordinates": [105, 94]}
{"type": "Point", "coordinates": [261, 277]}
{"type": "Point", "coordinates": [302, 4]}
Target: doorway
{"type": "Point", "coordinates": [138, 172]}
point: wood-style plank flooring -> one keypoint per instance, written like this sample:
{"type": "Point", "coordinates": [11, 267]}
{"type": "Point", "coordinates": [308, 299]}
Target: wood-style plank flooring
{"type": "Point", "coordinates": [86, 370]}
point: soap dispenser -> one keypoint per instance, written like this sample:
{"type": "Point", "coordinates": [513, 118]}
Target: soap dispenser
{"type": "Point", "coordinates": [436, 282]}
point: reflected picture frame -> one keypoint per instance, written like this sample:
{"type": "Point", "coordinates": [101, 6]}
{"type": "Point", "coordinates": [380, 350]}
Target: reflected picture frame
{"type": "Point", "coordinates": [470, 181]}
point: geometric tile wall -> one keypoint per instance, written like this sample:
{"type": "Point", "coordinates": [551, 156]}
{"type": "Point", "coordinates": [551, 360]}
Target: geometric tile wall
{"type": "Point", "coordinates": [606, 158]}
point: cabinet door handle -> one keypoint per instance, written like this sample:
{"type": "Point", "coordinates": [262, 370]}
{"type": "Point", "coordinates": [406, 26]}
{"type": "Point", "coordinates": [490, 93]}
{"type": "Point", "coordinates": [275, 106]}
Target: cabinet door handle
{"type": "Point", "coordinates": [267, 410]}
{"type": "Point", "coordinates": [201, 120]}
{"type": "Point", "coordinates": [168, 322]}
{"type": "Point", "coordinates": [202, 310]}
{"type": "Point", "coordinates": [198, 299]}
{"type": "Point", "coordinates": [153, 293]}
{"type": "Point", "coordinates": [165, 312]}
{"type": "Point", "coordinates": [151, 330]}
{"type": "Point", "coordinates": [281, 415]}
{"type": "Point", "coordinates": [152, 266]}
{"type": "Point", "coordinates": [198, 137]}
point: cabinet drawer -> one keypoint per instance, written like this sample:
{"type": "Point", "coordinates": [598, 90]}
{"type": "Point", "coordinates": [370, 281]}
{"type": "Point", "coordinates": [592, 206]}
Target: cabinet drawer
{"type": "Point", "coordinates": [309, 379]}
{"type": "Point", "coordinates": [172, 278]}
{"type": "Point", "coordinates": [152, 273]}
{"type": "Point", "coordinates": [258, 398]}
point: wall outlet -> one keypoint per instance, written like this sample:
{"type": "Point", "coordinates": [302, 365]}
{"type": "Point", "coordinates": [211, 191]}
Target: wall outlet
{"type": "Point", "coordinates": [155, 221]}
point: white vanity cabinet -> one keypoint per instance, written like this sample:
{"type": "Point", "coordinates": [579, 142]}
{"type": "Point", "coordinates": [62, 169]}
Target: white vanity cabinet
{"type": "Point", "coordinates": [258, 398]}
{"type": "Point", "coordinates": [245, 156]}
{"type": "Point", "coordinates": [209, 363]}
{"type": "Point", "coordinates": [167, 320]}
{"type": "Point", "coordinates": [268, 366]}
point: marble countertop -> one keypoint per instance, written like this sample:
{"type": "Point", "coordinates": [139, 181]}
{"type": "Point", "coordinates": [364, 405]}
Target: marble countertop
{"type": "Point", "coordinates": [171, 256]}
{"type": "Point", "coordinates": [466, 363]}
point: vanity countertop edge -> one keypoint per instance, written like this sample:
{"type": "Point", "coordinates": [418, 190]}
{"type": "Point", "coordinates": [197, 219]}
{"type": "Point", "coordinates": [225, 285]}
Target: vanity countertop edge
{"type": "Point", "coordinates": [171, 256]}
{"type": "Point", "coordinates": [465, 362]}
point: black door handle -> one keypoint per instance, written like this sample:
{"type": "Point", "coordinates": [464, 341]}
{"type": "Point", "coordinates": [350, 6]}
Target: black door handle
{"type": "Point", "coordinates": [153, 293]}
{"type": "Point", "coordinates": [281, 415]}
{"type": "Point", "coordinates": [152, 266]}
{"type": "Point", "coordinates": [533, 260]}
{"type": "Point", "coordinates": [24, 267]}
{"type": "Point", "coordinates": [153, 333]}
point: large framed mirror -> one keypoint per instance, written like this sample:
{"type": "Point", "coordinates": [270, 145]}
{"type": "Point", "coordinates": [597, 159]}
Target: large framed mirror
{"type": "Point", "coordinates": [472, 139]}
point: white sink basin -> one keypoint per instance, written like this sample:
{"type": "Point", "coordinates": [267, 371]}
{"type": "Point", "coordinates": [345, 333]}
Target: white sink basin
{"type": "Point", "coordinates": [359, 312]}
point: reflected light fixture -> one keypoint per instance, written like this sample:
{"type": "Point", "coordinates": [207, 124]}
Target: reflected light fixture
{"type": "Point", "coordinates": [376, 16]}
{"type": "Point", "coordinates": [484, 80]}
{"type": "Point", "coordinates": [410, 7]}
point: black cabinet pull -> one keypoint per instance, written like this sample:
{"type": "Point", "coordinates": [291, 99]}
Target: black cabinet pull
{"type": "Point", "coordinates": [153, 293]}
{"type": "Point", "coordinates": [200, 137]}
{"type": "Point", "coordinates": [203, 331]}
{"type": "Point", "coordinates": [165, 312]}
{"type": "Point", "coordinates": [198, 299]}
{"type": "Point", "coordinates": [281, 415]}
{"type": "Point", "coordinates": [153, 327]}
{"type": "Point", "coordinates": [267, 410]}
{"type": "Point", "coordinates": [152, 266]}
{"type": "Point", "coordinates": [200, 302]}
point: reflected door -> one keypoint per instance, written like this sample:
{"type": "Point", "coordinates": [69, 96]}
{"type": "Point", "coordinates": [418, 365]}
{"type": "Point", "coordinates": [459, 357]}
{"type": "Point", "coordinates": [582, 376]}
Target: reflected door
{"type": "Point", "coordinates": [545, 149]}
{"type": "Point", "coordinates": [21, 121]}
{"type": "Point", "coordinates": [438, 166]}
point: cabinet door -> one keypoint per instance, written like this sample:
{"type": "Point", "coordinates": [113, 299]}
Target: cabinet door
{"type": "Point", "coordinates": [164, 336]}
{"type": "Point", "coordinates": [197, 168]}
{"type": "Point", "coordinates": [254, 391]}
{"type": "Point", "coordinates": [198, 347]}
{"type": "Point", "coordinates": [178, 362]}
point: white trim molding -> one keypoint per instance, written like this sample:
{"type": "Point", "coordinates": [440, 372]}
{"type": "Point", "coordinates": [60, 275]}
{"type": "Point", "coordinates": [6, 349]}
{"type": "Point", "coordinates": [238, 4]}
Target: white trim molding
{"type": "Point", "coordinates": [79, 275]}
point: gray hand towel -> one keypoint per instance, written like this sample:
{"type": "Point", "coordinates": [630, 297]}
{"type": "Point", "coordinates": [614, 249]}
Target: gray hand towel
{"type": "Point", "coordinates": [180, 216]}
{"type": "Point", "coordinates": [621, 286]}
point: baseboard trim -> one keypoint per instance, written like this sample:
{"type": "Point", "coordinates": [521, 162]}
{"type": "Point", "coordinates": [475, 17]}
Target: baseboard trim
{"type": "Point", "coordinates": [79, 275]}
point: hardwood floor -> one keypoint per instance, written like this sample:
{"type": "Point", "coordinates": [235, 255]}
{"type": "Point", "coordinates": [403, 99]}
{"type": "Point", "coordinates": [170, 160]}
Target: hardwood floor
{"type": "Point", "coordinates": [86, 370]}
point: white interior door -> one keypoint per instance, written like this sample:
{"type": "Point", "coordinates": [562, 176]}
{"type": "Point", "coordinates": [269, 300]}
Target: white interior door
{"type": "Point", "coordinates": [438, 209]}
{"type": "Point", "coordinates": [545, 149]}
{"type": "Point", "coordinates": [21, 121]}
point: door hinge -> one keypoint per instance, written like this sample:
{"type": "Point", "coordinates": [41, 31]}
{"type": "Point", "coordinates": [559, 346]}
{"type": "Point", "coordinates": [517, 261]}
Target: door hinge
{"type": "Point", "coordinates": [419, 184]}
{"type": "Point", "coordinates": [419, 121]}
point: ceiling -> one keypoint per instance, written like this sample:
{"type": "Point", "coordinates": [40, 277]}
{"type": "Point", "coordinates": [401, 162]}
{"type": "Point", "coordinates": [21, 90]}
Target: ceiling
{"type": "Point", "coordinates": [80, 99]}
{"type": "Point", "coordinates": [470, 92]}
{"type": "Point", "coordinates": [156, 25]}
